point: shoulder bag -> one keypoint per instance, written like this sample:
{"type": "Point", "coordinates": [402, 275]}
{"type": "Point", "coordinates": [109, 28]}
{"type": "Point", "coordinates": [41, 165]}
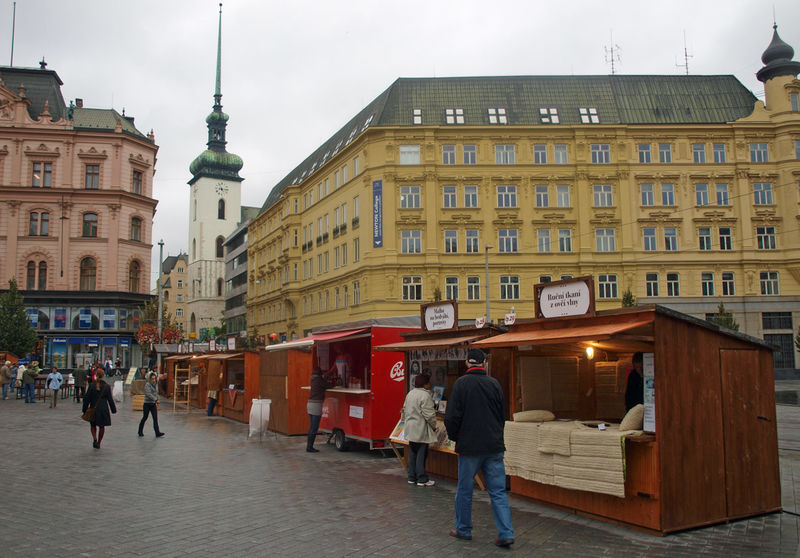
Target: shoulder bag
{"type": "Point", "coordinates": [88, 416]}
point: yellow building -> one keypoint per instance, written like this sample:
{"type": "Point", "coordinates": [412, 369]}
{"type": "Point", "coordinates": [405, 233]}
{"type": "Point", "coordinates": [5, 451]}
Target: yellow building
{"type": "Point", "coordinates": [173, 278]}
{"type": "Point", "coordinates": [682, 189]}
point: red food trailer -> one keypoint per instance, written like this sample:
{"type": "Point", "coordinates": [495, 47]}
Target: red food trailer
{"type": "Point", "coordinates": [365, 404]}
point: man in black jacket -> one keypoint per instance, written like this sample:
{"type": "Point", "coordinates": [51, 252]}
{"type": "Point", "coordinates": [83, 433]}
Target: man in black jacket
{"type": "Point", "coordinates": [475, 420]}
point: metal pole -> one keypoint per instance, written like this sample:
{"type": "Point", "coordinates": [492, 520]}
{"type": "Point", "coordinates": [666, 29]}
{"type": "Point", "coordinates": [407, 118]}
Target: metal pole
{"type": "Point", "coordinates": [486, 290]}
{"type": "Point", "coordinates": [13, 27]}
{"type": "Point", "coordinates": [160, 299]}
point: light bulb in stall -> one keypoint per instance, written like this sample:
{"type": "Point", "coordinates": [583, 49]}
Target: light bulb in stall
{"type": "Point", "coordinates": [590, 353]}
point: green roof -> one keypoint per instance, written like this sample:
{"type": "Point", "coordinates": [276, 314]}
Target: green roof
{"type": "Point", "coordinates": [103, 119]}
{"type": "Point", "coordinates": [618, 100]}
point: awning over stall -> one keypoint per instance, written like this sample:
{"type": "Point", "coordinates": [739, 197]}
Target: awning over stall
{"type": "Point", "coordinates": [315, 338]}
{"type": "Point", "coordinates": [556, 336]}
{"type": "Point", "coordinates": [224, 356]}
{"type": "Point", "coordinates": [435, 343]}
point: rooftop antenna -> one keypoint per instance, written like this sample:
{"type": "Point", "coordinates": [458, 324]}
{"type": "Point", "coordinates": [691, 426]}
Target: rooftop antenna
{"type": "Point", "coordinates": [612, 54]}
{"type": "Point", "coordinates": [686, 56]}
{"type": "Point", "coordinates": [13, 25]}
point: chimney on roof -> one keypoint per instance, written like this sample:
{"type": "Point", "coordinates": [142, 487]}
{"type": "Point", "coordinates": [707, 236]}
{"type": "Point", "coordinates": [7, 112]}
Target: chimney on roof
{"type": "Point", "coordinates": [79, 103]}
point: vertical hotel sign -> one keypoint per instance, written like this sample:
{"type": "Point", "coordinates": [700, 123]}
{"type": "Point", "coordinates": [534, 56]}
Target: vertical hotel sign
{"type": "Point", "coordinates": [377, 214]}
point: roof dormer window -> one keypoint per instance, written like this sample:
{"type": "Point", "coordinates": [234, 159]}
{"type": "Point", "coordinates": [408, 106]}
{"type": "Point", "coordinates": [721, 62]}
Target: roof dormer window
{"type": "Point", "coordinates": [417, 116]}
{"type": "Point", "coordinates": [589, 115]}
{"type": "Point", "coordinates": [497, 116]}
{"type": "Point", "coordinates": [549, 115]}
{"type": "Point", "coordinates": [454, 115]}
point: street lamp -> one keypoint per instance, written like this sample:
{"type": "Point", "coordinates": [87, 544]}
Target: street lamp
{"type": "Point", "coordinates": [486, 289]}
{"type": "Point", "coordinates": [160, 299]}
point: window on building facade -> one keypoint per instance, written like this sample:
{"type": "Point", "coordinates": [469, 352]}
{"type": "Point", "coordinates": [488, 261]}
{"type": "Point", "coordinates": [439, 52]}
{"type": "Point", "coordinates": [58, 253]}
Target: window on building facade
{"type": "Point", "coordinates": [607, 285]}
{"type": "Point", "coordinates": [794, 101]}
{"type": "Point", "coordinates": [134, 270]}
{"type": "Point", "coordinates": [651, 284]}
{"type": "Point", "coordinates": [507, 240]}
{"type": "Point", "coordinates": [707, 284]}
{"type": "Point", "coordinates": [769, 283]}
{"type": "Point", "coordinates": [725, 238]}
{"type": "Point", "coordinates": [797, 149]}
{"type": "Point", "coordinates": [411, 241]}
{"type": "Point", "coordinates": [549, 115]}
{"type": "Point", "coordinates": [136, 229]}
{"type": "Point", "coordinates": [221, 209]}
{"type": "Point", "coordinates": [454, 115]}
{"type": "Point", "coordinates": [605, 240]}
{"type": "Point", "coordinates": [470, 154]}
{"type": "Point", "coordinates": [728, 284]}
{"type": "Point", "coordinates": [412, 287]}
{"type": "Point", "coordinates": [562, 195]}
{"type": "Point", "coordinates": [589, 115]}
{"type": "Point", "coordinates": [92, 177]}
{"type": "Point", "coordinates": [719, 153]}
{"type": "Point", "coordinates": [409, 197]}
{"type": "Point", "coordinates": [603, 196]}
{"type": "Point", "coordinates": [473, 287]}
{"type": "Point", "coordinates": [701, 194]}
{"type": "Point", "coordinates": [88, 274]}
{"type": "Point", "coordinates": [704, 238]}
{"type": "Point", "coordinates": [42, 175]}
{"type": "Point", "coordinates": [644, 153]}
{"type": "Point", "coordinates": [673, 284]}
{"type": "Point", "coordinates": [356, 166]}
{"type": "Point", "coordinates": [450, 241]}
{"type": "Point", "coordinates": [497, 116]}
{"type": "Point", "coordinates": [759, 153]}
{"type": "Point", "coordinates": [179, 312]}
{"type": "Point", "coordinates": [90, 224]}
{"type": "Point", "coordinates": [540, 154]}
{"type": "Point", "coordinates": [765, 237]}
{"type": "Point", "coordinates": [723, 197]}
{"type": "Point", "coordinates": [356, 249]}
{"type": "Point", "coordinates": [542, 195]}
{"type": "Point", "coordinates": [472, 241]}
{"type": "Point", "coordinates": [648, 198]}
{"type": "Point", "coordinates": [762, 193]}
{"type": "Point", "coordinates": [776, 320]}
{"type": "Point", "coordinates": [470, 196]}
{"type": "Point", "coordinates": [449, 197]}
{"type": "Point", "coordinates": [30, 277]}
{"type": "Point", "coordinates": [560, 154]}
{"type": "Point", "coordinates": [699, 153]}
{"type": "Point", "coordinates": [136, 182]}
{"type": "Point", "coordinates": [504, 154]}
{"type": "Point", "coordinates": [601, 153]}
{"type": "Point", "coordinates": [220, 248]}
{"type": "Point", "coordinates": [39, 224]}
{"type": "Point", "coordinates": [664, 153]}
{"type": "Point", "coordinates": [649, 237]}
{"type": "Point", "coordinates": [409, 154]}
{"type": "Point", "coordinates": [565, 240]}
{"type": "Point", "coordinates": [667, 194]}
{"type": "Point", "coordinates": [506, 196]}
{"type": "Point", "coordinates": [543, 240]}
{"type": "Point", "coordinates": [670, 239]}
{"type": "Point", "coordinates": [448, 154]}
{"type": "Point", "coordinates": [451, 288]}
{"type": "Point", "coordinates": [509, 287]}
{"type": "Point", "coordinates": [416, 116]}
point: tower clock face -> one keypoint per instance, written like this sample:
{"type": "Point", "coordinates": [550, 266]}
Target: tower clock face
{"type": "Point", "coordinates": [221, 188]}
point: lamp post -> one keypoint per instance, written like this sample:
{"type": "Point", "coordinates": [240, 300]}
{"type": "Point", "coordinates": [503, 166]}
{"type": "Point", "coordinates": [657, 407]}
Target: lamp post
{"type": "Point", "coordinates": [486, 289]}
{"type": "Point", "coordinates": [160, 299]}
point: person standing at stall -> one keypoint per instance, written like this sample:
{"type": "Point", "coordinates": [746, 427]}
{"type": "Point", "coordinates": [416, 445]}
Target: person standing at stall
{"type": "Point", "coordinates": [53, 384]}
{"type": "Point", "coordinates": [99, 396]}
{"type": "Point", "coordinates": [475, 420]}
{"type": "Point", "coordinates": [314, 407]}
{"type": "Point", "coordinates": [419, 418]}
{"type": "Point", "coordinates": [5, 377]}
{"type": "Point", "coordinates": [150, 406]}
{"type": "Point", "coordinates": [28, 382]}
{"type": "Point", "coordinates": [634, 391]}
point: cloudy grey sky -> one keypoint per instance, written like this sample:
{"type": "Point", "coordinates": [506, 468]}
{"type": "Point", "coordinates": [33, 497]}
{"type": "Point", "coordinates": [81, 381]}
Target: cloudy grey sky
{"type": "Point", "coordinates": [294, 72]}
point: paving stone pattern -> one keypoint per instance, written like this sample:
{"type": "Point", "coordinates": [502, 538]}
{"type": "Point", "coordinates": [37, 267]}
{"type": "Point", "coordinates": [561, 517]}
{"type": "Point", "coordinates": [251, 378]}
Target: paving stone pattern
{"type": "Point", "coordinates": [205, 489]}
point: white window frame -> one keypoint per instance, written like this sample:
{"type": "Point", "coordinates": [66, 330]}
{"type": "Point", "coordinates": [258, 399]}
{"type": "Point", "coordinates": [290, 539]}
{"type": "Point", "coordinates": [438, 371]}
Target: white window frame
{"type": "Point", "coordinates": [543, 241]}
{"type": "Point", "coordinates": [409, 154]}
{"type": "Point", "coordinates": [508, 241]}
{"type": "Point", "coordinates": [549, 115]}
{"type": "Point", "coordinates": [509, 287]}
{"type": "Point", "coordinates": [540, 154]}
{"type": "Point", "coordinates": [454, 115]}
{"type": "Point", "coordinates": [449, 197]}
{"type": "Point", "coordinates": [542, 195]}
{"type": "Point", "coordinates": [560, 154]}
{"type": "Point", "coordinates": [450, 241]}
{"type": "Point", "coordinates": [410, 197]}
{"type": "Point", "coordinates": [563, 198]}
{"type": "Point", "coordinates": [607, 286]}
{"type": "Point", "coordinates": [506, 196]}
{"type": "Point", "coordinates": [448, 154]}
{"type": "Point", "coordinates": [497, 115]}
{"type": "Point", "coordinates": [589, 115]}
{"type": "Point", "coordinates": [470, 195]}
{"type": "Point", "coordinates": [505, 154]}
{"type": "Point", "coordinates": [565, 240]}
{"type": "Point", "coordinates": [605, 239]}
{"type": "Point", "coordinates": [411, 241]}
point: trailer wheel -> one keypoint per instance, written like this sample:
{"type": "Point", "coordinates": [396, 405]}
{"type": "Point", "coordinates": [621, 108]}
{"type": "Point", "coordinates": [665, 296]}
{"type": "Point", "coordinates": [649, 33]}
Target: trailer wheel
{"type": "Point", "coordinates": [339, 440]}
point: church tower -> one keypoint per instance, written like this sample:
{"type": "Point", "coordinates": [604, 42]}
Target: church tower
{"type": "Point", "coordinates": [779, 75]}
{"type": "Point", "coordinates": [215, 201]}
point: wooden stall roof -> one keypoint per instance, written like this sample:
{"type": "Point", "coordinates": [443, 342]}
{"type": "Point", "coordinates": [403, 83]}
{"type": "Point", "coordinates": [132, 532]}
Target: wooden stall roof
{"type": "Point", "coordinates": [429, 343]}
{"type": "Point", "coordinates": [308, 341]}
{"type": "Point", "coordinates": [224, 356]}
{"type": "Point", "coordinates": [573, 334]}
{"type": "Point", "coordinates": [178, 357]}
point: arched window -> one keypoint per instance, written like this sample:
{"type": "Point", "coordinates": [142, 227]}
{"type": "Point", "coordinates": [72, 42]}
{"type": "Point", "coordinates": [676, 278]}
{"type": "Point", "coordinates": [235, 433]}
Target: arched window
{"type": "Point", "coordinates": [219, 287]}
{"type": "Point", "coordinates": [30, 281]}
{"type": "Point", "coordinates": [44, 227]}
{"type": "Point", "coordinates": [166, 295]}
{"type": "Point", "coordinates": [133, 277]}
{"type": "Point", "coordinates": [221, 209]}
{"type": "Point", "coordinates": [42, 275]}
{"type": "Point", "coordinates": [136, 229]}
{"type": "Point", "coordinates": [194, 248]}
{"type": "Point", "coordinates": [220, 249]}
{"type": "Point", "coordinates": [192, 324]}
{"type": "Point", "coordinates": [33, 227]}
{"type": "Point", "coordinates": [88, 274]}
{"type": "Point", "coordinates": [194, 213]}
{"type": "Point", "coordinates": [90, 224]}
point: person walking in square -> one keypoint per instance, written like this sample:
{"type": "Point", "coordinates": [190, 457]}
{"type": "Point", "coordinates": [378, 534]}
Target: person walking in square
{"type": "Point", "coordinates": [150, 406]}
{"type": "Point", "coordinates": [316, 396]}
{"type": "Point", "coordinates": [53, 384]}
{"type": "Point", "coordinates": [475, 421]}
{"type": "Point", "coordinates": [5, 378]}
{"type": "Point", "coordinates": [80, 383]}
{"type": "Point", "coordinates": [419, 418]}
{"type": "Point", "coordinates": [99, 396]}
{"type": "Point", "coordinates": [28, 381]}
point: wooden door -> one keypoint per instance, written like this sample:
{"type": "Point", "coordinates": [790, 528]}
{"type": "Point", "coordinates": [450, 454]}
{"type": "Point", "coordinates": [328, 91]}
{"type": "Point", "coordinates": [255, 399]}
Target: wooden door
{"type": "Point", "coordinates": [751, 442]}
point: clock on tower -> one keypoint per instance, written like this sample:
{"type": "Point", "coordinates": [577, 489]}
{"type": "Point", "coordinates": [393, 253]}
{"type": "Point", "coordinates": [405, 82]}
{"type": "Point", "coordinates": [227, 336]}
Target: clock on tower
{"type": "Point", "coordinates": [221, 188]}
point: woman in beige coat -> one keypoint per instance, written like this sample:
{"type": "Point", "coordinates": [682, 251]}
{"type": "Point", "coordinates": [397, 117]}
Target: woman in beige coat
{"type": "Point", "coordinates": [420, 429]}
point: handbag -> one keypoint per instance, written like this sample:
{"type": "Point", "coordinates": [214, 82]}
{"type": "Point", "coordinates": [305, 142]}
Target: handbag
{"type": "Point", "coordinates": [88, 415]}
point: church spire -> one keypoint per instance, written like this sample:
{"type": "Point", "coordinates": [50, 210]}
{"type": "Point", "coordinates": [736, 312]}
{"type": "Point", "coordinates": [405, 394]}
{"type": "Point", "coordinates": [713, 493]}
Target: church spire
{"type": "Point", "coordinates": [218, 89]}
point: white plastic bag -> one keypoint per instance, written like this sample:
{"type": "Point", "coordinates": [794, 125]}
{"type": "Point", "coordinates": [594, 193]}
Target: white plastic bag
{"type": "Point", "coordinates": [116, 392]}
{"type": "Point", "coordinates": [259, 416]}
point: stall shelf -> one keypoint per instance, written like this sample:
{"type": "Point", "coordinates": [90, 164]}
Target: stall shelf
{"type": "Point", "coordinates": [710, 454]}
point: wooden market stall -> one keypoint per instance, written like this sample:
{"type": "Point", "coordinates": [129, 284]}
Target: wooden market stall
{"type": "Point", "coordinates": [284, 370]}
{"type": "Point", "coordinates": [707, 451]}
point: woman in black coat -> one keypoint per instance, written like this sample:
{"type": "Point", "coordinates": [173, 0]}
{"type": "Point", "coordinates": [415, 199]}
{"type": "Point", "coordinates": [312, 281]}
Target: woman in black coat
{"type": "Point", "coordinates": [99, 393]}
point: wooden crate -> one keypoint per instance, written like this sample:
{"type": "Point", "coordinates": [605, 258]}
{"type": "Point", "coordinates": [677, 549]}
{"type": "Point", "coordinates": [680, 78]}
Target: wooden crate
{"type": "Point", "coordinates": [138, 402]}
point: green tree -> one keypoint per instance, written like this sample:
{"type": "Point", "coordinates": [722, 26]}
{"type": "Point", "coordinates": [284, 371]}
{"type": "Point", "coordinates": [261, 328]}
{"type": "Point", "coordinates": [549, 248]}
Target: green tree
{"type": "Point", "coordinates": [628, 299]}
{"type": "Point", "coordinates": [16, 335]}
{"type": "Point", "coordinates": [149, 314]}
{"type": "Point", "coordinates": [724, 318]}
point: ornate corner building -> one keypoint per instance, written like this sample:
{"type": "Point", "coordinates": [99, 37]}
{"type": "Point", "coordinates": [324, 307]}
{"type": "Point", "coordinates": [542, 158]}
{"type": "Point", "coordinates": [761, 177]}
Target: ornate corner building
{"type": "Point", "coordinates": [76, 214]}
{"type": "Point", "coordinates": [684, 190]}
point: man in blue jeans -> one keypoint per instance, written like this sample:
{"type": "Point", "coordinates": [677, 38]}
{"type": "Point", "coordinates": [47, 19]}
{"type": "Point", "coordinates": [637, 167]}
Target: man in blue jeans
{"type": "Point", "coordinates": [475, 420]}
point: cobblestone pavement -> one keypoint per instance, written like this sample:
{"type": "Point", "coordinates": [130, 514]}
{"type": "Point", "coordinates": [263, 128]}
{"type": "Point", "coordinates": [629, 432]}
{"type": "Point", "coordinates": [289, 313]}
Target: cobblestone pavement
{"type": "Point", "coordinates": [205, 489]}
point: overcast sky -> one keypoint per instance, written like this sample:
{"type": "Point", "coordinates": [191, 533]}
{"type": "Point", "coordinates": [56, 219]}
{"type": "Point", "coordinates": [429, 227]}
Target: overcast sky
{"type": "Point", "coordinates": [294, 72]}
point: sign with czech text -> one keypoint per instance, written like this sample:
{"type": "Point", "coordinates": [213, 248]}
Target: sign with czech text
{"type": "Point", "coordinates": [440, 315]}
{"type": "Point", "coordinates": [569, 297]}
{"type": "Point", "coordinates": [377, 214]}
